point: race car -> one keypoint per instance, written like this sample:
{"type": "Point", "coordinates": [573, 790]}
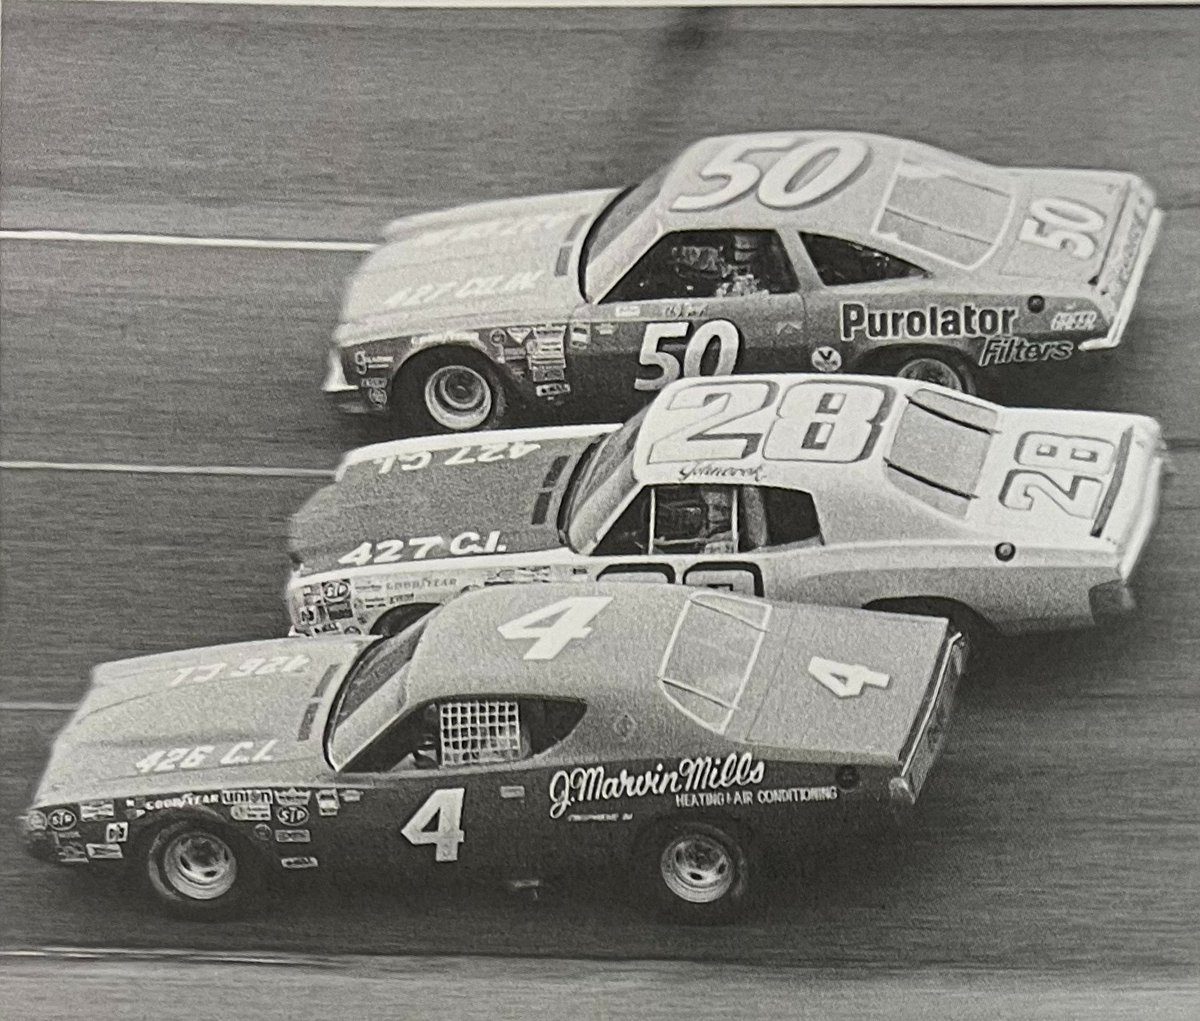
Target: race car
{"type": "Point", "coordinates": [852, 490]}
{"type": "Point", "coordinates": [495, 736]}
{"type": "Point", "coordinates": [781, 252]}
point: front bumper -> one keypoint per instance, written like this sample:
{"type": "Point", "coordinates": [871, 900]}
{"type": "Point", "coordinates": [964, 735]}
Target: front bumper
{"type": "Point", "coordinates": [341, 394]}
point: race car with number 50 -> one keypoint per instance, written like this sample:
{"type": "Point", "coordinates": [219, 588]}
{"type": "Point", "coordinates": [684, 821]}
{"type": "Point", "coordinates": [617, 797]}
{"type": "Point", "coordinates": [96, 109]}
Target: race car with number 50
{"type": "Point", "coordinates": [853, 491]}
{"type": "Point", "coordinates": [496, 736]}
{"type": "Point", "coordinates": [788, 251]}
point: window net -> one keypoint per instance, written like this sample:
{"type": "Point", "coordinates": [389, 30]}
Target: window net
{"type": "Point", "coordinates": [479, 731]}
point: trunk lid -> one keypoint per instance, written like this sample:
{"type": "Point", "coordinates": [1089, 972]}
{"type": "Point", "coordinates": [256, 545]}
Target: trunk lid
{"type": "Point", "coordinates": [848, 686]}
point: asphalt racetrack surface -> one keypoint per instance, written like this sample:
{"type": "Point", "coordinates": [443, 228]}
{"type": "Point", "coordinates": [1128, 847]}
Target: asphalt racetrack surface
{"type": "Point", "coordinates": [1060, 833]}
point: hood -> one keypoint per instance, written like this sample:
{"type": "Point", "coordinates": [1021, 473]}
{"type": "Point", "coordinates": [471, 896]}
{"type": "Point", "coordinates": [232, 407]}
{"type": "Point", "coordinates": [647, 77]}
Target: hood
{"type": "Point", "coordinates": [201, 717]}
{"type": "Point", "coordinates": [846, 685]}
{"type": "Point", "coordinates": [1064, 224]}
{"type": "Point", "coordinates": [516, 256]}
{"type": "Point", "coordinates": [420, 499]}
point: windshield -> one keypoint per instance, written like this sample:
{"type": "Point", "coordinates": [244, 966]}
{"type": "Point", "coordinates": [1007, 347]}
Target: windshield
{"type": "Point", "coordinates": [603, 486]}
{"type": "Point", "coordinates": [621, 212]}
{"type": "Point", "coordinates": [373, 695]}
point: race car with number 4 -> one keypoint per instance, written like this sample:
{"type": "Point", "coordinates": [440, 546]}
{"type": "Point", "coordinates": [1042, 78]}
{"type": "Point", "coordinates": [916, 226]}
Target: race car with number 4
{"type": "Point", "coordinates": [853, 491]}
{"type": "Point", "coordinates": [495, 736]}
{"type": "Point", "coordinates": [788, 251]}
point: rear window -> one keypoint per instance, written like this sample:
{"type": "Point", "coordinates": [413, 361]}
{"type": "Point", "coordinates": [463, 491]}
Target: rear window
{"type": "Point", "coordinates": [711, 655]}
{"type": "Point", "coordinates": [938, 453]}
{"type": "Point", "coordinates": [956, 212]}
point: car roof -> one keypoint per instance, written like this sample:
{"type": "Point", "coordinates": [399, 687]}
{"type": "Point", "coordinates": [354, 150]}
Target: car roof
{"type": "Point", "coordinates": [463, 653]}
{"type": "Point", "coordinates": [852, 210]}
{"type": "Point", "coordinates": [672, 446]}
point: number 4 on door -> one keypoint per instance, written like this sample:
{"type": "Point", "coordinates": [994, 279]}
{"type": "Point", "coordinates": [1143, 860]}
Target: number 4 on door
{"type": "Point", "coordinates": [446, 805]}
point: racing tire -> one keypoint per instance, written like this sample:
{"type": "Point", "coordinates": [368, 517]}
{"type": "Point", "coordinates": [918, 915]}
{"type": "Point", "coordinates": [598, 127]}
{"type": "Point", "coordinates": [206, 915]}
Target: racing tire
{"type": "Point", "coordinates": [399, 618]}
{"type": "Point", "coordinates": [449, 391]}
{"type": "Point", "coordinates": [929, 366]}
{"type": "Point", "coordinates": [201, 871]}
{"type": "Point", "coordinates": [698, 873]}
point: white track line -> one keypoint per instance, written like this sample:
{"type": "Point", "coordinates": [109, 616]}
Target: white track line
{"type": "Point", "coordinates": [37, 707]}
{"type": "Point", "coordinates": [186, 956]}
{"type": "Point", "coordinates": [244, 471]}
{"type": "Point", "coordinates": [181, 241]}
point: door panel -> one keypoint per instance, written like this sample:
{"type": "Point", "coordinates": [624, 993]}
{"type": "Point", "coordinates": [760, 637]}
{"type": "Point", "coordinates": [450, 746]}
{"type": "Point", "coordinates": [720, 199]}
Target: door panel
{"type": "Point", "coordinates": [636, 349]}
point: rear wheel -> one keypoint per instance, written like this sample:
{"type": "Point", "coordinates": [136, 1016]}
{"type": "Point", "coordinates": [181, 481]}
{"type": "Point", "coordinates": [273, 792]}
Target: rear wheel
{"type": "Point", "coordinates": [199, 870]}
{"type": "Point", "coordinates": [945, 371]}
{"type": "Point", "coordinates": [697, 872]}
{"type": "Point", "coordinates": [447, 391]}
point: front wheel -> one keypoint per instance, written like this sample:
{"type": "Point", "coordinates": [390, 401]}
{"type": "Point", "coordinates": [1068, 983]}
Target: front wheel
{"type": "Point", "coordinates": [698, 873]}
{"type": "Point", "coordinates": [450, 391]}
{"type": "Point", "coordinates": [198, 870]}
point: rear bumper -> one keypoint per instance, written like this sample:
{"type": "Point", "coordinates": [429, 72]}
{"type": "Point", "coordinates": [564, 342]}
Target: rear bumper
{"type": "Point", "coordinates": [1117, 598]}
{"type": "Point", "coordinates": [1125, 309]}
{"type": "Point", "coordinates": [925, 743]}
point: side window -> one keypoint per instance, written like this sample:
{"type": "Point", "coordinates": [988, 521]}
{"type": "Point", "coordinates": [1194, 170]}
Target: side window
{"type": "Point", "coordinates": [479, 732]}
{"type": "Point", "coordinates": [694, 519]}
{"type": "Point", "coordinates": [777, 517]}
{"type": "Point", "coordinates": [708, 264]}
{"type": "Point", "coordinates": [839, 262]}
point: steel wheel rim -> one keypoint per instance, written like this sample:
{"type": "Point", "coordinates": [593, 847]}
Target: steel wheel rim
{"type": "Point", "coordinates": [199, 866]}
{"type": "Point", "coordinates": [458, 397]}
{"type": "Point", "coordinates": [933, 370]}
{"type": "Point", "coordinates": [697, 868]}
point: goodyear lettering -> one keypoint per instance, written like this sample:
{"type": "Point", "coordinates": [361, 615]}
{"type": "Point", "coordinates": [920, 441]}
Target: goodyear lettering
{"type": "Point", "coordinates": [1018, 350]}
{"type": "Point", "coordinates": [705, 773]}
{"type": "Point", "coordinates": [933, 321]}
{"type": "Point", "coordinates": [180, 801]}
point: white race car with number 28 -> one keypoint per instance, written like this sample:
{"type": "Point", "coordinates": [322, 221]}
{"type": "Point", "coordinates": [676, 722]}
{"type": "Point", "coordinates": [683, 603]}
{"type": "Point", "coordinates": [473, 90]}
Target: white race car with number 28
{"type": "Point", "coordinates": [851, 491]}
